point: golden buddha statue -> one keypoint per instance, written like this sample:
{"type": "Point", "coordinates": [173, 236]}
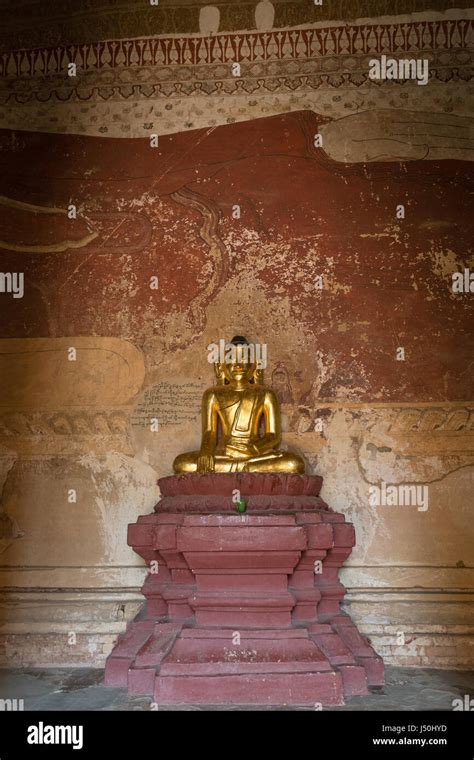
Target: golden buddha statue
{"type": "Point", "coordinates": [241, 426]}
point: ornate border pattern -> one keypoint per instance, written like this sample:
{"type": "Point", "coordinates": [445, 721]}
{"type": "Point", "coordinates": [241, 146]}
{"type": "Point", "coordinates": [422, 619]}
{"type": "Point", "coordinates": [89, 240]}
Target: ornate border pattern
{"type": "Point", "coordinates": [277, 60]}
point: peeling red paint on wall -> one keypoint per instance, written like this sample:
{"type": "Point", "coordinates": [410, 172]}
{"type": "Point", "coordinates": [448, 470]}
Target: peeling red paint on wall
{"type": "Point", "coordinates": [167, 212]}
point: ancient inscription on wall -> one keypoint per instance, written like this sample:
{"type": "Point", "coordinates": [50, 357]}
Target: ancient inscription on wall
{"type": "Point", "coordinates": [169, 403]}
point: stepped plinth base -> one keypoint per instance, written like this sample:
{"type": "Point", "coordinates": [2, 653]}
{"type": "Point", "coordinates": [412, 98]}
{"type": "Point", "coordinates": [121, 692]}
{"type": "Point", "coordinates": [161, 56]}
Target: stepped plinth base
{"type": "Point", "coordinates": [243, 609]}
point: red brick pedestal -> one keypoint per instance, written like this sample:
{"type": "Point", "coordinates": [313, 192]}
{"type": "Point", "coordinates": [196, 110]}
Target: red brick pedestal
{"type": "Point", "coordinates": [243, 608]}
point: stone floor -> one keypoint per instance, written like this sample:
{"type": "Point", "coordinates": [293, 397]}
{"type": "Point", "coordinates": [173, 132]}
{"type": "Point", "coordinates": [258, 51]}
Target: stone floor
{"type": "Point", "coordinates": [82, 689]}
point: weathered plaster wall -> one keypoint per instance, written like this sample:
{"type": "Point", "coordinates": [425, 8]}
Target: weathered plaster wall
{"type": "Point", "coordinates": [168, 212]}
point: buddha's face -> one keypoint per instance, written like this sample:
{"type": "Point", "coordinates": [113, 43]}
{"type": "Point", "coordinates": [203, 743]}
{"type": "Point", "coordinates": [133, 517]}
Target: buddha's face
{"type": "Point", "coordinates": [239, 372]}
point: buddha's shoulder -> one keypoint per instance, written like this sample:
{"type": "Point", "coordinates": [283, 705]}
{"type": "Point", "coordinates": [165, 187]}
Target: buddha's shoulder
{"type": "Point", "coordinates": [222, 391]}
{"type": "Point", "coordinates": [216, 391]}
{"type": "Point", "coordinates": [269, 393]}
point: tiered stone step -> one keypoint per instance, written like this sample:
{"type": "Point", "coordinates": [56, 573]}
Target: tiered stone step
{"type": "Point", "coordinates": [244, 609]}
{"type": "Point", "coordinates": [265, 667]}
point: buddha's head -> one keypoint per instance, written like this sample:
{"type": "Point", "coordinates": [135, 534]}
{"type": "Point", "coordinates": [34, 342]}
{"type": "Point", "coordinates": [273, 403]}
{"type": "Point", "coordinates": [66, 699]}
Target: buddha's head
{"type": "Point", "coordinates": [239, 370]}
